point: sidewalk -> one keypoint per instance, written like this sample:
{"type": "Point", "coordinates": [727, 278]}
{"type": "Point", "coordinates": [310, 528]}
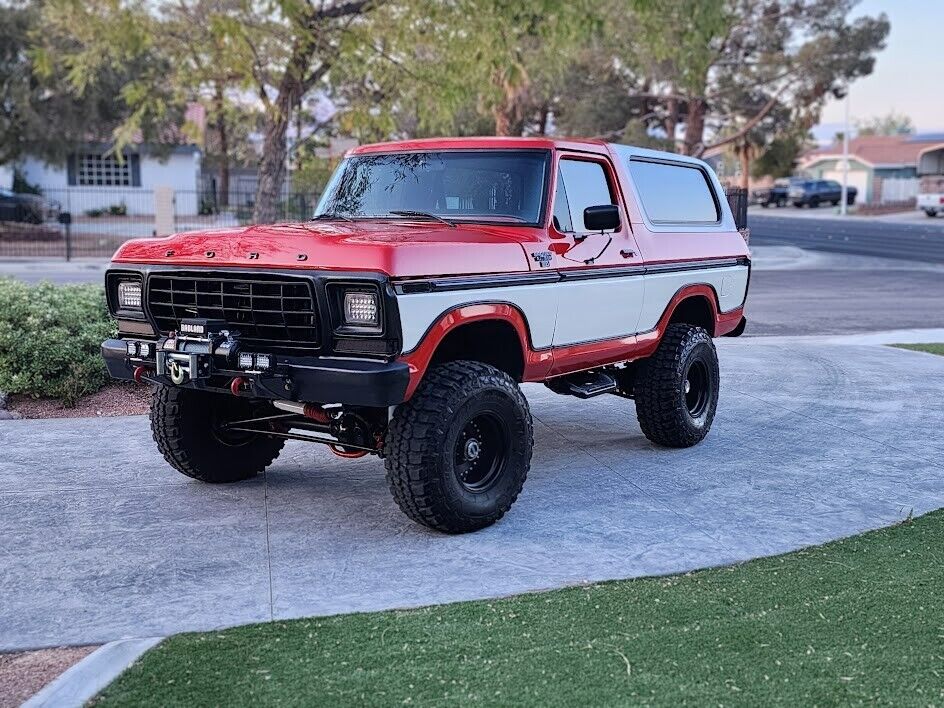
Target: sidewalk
{"type": "Point", "coordinates": [913, 217]}
{"type": "Point", "coordinates": [59, 271]}
{"type": "Point", "coordinates": [815, 439]}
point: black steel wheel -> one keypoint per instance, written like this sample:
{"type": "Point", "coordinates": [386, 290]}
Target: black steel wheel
{"type": "Point", "coordinates": [676, 389]}
{"type": "Point", "coordinates": [480, 451]}
{"type": "Point", "coordinates": [458, 452]}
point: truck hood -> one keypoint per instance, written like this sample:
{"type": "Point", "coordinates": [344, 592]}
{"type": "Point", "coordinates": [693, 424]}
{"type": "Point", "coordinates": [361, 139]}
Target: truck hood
{"type": "Point", "coordinates": [399, 249]}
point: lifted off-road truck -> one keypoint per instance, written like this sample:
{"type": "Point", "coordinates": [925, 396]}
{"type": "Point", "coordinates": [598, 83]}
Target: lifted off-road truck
{"type": "Point", "coordinates": [435, 277]}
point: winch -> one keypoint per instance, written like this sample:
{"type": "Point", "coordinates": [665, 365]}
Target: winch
{"type": "Point", "coordinates": [188, 353]}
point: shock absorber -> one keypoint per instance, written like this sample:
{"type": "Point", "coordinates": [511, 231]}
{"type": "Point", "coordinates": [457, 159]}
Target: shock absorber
{"type": "Point", "coordinates": [309, 410]}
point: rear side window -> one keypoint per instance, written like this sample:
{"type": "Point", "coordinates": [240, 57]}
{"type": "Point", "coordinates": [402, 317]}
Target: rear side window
{"type": "Point", "coordinates": [580, 184]}
{"type": "Point", "coordinates": [674, 193]}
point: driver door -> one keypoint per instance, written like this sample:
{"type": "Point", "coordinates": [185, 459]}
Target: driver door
{"type": "Point", "coordinates": [601, 294]}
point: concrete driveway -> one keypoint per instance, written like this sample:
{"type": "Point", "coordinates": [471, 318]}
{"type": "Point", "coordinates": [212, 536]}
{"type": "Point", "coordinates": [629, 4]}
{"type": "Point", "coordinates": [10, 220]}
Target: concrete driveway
{"type": "Point", "coordinates": [815, 439]}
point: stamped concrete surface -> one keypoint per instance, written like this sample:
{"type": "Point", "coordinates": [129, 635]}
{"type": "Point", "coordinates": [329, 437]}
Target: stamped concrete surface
{"type": "Point", "coordinates": [814, 439]}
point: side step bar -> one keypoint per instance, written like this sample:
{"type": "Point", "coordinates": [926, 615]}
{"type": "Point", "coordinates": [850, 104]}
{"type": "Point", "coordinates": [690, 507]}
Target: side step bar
{"type": "Point", "coordinates": [586, 384]}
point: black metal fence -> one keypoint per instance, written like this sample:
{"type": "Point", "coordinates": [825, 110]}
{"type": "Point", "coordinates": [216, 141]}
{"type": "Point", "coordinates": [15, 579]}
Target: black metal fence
{"type": "Point", "coordinates": [738, 200]}
{"type": "Point", "coordinates": [94, 222]}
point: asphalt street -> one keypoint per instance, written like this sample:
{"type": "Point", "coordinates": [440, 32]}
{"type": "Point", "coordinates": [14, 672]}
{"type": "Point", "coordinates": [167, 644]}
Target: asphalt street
{"type": "Point", "coordinates": [799, 292]}
{"type": "Point", "coordinates": [852, 235]}
{"type": "Point", "coordinates": [814, 440]}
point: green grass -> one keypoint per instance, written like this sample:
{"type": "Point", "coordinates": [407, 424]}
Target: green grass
{"type": "Point", "coordinates": [856, 621]}
{"type": "Point", "coordinates": [929, 348]}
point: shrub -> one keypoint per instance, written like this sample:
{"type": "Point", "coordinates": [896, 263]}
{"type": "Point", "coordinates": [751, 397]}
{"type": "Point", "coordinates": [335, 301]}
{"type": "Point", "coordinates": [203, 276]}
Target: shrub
{"type": "Point", "coordinates": [118, 209]}
{"type": "Point", "coordinates": [50, 339]}
{"type": "Point", "coordinates": [94, 213]}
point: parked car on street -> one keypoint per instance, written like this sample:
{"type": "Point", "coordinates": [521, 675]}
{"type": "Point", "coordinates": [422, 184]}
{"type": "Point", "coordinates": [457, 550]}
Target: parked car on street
{"type": "Point", "coordinates": [25, 208]}
{"type": "Point", "coordinates": [777, 194]}
{"type": "Point", "coordinates": [814, 192]}
{"type": "Point", "coordinates": [931, 195]}
{"type": "Point", "coordinates": [435, 277]}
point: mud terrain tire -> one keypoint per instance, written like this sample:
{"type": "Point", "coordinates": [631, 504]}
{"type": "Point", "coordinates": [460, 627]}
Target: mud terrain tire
{"type": "Point", "coordinates": [676, 389]}
{"type": "Point", "coordinates": [185, 423]}
{"type": "Point", "coordinates": [458, 452]}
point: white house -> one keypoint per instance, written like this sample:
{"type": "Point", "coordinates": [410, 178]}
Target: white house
{"type": "Point", "coordinates": [93, 179]}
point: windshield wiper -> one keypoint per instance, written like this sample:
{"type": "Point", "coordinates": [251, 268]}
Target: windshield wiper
{"type": "Point", "coordinates": [424, 215]}
{"type": "Point", "coordinates": [335, 216]}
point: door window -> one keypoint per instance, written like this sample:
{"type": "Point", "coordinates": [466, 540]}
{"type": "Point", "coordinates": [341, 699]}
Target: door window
{"type": "Point", "coordinates": [580, 184]}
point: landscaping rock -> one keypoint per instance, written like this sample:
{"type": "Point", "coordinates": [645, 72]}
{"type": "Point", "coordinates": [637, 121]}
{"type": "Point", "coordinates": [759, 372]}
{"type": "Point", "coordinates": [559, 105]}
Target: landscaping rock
{"type": "Point", "coordinates": [9, 415]}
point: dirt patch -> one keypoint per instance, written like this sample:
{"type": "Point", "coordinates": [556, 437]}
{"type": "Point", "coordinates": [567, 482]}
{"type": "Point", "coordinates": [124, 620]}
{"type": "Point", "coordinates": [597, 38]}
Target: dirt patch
{"type": "Point", "coordinates": [114, 399]}
{"type": "Point", "coordinates": [24, 673]}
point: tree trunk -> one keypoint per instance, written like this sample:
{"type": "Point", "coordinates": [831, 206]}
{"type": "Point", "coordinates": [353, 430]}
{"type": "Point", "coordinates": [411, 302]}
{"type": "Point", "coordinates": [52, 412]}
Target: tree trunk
{"type": "Point", "coordinates": [671, 120]}
{"type": "Point", "coordinates": [543, 121]}
{"type": "Point", "coordinates": [274, 146]}
{"type": "Point", "coordinates": [221, 128]}
{"type": "Point", "coordinates": [745, 155]}
{"type": "Point", "coordinates": [695, 128]}
{"type": "Point", "coordinates": [272, 164]}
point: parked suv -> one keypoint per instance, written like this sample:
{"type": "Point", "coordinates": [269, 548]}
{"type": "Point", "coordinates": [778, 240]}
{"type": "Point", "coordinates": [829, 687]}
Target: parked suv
{"type": "Point", "coordinates": [435, 278]}
{"type": "Point", "coordinates": [812, 193]}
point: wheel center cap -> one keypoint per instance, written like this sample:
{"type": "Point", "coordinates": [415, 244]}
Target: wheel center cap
{"type": "Point", "coordinates": [473, 448]}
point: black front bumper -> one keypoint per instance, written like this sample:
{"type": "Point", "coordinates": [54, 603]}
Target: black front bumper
{"type": "Point", "coordinates": [356, 382]}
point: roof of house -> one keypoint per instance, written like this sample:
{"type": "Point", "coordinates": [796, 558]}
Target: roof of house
{"type": "Point", "coordinates": [186, 134]}
{"type": "Point", "coordinates": [876, 150]}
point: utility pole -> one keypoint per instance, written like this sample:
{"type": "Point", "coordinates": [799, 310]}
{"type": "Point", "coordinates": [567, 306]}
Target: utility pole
{"type": "Point", "coordinates": [843, 208]}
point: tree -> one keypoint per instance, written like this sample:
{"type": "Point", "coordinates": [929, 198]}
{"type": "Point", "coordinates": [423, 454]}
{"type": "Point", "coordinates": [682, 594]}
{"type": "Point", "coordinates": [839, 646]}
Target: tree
{"type": "Point", "coordinates": [463, 67]}
{"type": "Point", "coordinates": [281, 48]}
{"type": "Point", "coordinates": [715, 62]}
{"type": "Point", "coordinates": [890, 124]}
{"type": "Point", "coordinates": [40, 112]}
{"type": "Point", "coordinates": [780, 156]}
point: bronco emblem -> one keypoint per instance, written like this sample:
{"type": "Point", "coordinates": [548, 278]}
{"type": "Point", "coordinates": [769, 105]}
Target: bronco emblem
{"type": "Point", "coordinates": [543, 258]}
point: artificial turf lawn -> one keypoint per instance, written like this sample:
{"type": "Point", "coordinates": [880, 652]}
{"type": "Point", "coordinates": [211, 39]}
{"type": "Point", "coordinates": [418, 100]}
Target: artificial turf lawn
{"type": "Point", "coordinates": [856, 621]}
{"type": "Point", "coordinates": [929, 348]}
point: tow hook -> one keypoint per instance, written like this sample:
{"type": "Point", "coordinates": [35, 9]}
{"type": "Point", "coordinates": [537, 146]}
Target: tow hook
{"type": "Point", "coordinates": [139, 372]}
{"type": "Point", "coordinates": [177, 372]}
{"type": "Point", "coordinates": [237, 385]}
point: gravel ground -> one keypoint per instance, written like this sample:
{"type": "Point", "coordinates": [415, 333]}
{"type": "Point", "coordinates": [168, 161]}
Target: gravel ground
{"type": "Point", "coordinates": [113, 400]}
{"type": "Point", "coordinates": [24, 673]}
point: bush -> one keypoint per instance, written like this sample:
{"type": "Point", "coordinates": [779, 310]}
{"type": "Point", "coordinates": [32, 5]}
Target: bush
{"type": "Point", "coordinates": [118, 209]}
{"type": "Point", "coordinates": [50, 339]}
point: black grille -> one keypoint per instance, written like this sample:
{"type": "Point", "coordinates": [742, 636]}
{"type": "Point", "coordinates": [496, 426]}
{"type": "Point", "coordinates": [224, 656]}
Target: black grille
{"type": "Point", "coordinates": [269, 312]}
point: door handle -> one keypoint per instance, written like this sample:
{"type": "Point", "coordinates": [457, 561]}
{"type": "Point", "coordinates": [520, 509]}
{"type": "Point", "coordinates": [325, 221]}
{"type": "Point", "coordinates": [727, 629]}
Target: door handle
{"type": "Point", "coordinates": [627, 253]}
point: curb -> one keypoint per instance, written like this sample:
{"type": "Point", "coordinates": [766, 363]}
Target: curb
{"type": "Point", "coordinates": [81, 682]}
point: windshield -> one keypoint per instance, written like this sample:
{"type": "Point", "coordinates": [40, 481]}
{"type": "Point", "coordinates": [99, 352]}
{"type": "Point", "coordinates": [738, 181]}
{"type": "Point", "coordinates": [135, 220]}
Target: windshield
{"type": "Point", "coordinates": [503, 186]}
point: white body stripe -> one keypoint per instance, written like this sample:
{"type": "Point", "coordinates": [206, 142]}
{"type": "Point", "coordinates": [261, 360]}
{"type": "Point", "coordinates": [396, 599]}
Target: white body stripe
{"type": "Point", "coordinates": [729, 283]}
{"type": "Point", "coordinates": [563, 313]}
{"type": "Point", "coordinates": [418, 311]}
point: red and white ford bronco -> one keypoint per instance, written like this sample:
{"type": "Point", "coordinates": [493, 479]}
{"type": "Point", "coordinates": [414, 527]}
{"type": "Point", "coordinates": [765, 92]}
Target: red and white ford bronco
{"type": "Point", "coordinates": [435, 277]}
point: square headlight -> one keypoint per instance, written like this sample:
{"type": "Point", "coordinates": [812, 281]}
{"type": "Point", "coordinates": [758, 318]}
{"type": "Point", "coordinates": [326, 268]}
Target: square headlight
{"type": "Point", "coordinates": [129, 295]}
{"type": "Point", "coordinates": [361, 309]}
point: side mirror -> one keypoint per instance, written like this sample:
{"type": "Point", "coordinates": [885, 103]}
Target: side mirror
{"type": "Point", "coordinates": [604, 217]}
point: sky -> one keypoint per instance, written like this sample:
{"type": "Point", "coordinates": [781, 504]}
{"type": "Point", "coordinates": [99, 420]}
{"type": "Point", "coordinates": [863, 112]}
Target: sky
{"type": "Point", "coordinates": [908, 73]}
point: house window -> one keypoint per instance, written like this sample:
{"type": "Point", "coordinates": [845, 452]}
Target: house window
{"type": "Point", "coordinates": [96, 170]}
